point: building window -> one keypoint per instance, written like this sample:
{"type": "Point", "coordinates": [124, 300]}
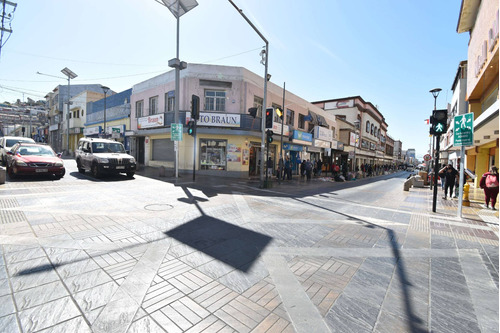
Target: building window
{"type": "Point", "coordinates": [257, 103]}
{"type": "Point", "coordinates": [375, 131]}
{"type": "Point", "coordinates": [215, 100]}
{"type": "Point", "coordinates": [213, 154]}
{"type": "Point", "coordinates": [302, 122]}
{"type": "Point", "coordinates": [276, 118]}
{"type": "Point", "coordinates": [367, 126]}
{"type": "Point", "coordinates": [371, 131]}
{"type": "Point", "coordinates": [153, 105]}
{"type": "Point", "coordinates": [170, 101]}
{"type": "Point", "coordinates": [139, 105]}
{"type": "Point", "coordinates": [290, 117]}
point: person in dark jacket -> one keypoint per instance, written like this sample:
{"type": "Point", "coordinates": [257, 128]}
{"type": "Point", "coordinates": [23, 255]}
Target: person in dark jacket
{"type": "Point", "coordinates": [309, 168]}
{"type": "Point", "coordinates": [448, 174]}
{"type": "Point", "coordinates": [303, 168]}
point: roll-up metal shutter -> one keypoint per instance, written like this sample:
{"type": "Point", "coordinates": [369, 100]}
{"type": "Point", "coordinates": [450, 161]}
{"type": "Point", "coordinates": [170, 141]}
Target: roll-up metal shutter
{"type": "Point", "coordinates": [163, 150]}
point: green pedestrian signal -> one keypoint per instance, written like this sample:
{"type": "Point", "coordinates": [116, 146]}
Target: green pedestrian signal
{"type": "Point", "coordinates": [190, 127]}
{"type": "Point", "coordinates": [439, 122]}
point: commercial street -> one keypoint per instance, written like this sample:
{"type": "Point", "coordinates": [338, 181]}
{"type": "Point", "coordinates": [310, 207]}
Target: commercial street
{"type": "Point", "coordinates": [154, 254]}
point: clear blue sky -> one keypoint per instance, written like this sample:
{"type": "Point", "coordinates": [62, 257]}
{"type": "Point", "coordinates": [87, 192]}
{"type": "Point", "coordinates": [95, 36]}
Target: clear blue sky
{"type": "Point", "coordinates": [389, 52]}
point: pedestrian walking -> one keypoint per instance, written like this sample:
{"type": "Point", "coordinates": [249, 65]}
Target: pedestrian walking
{"type": "Point", "coordinates": [489, 183]}
{"type": "Point", "coordinates": [448, 174]}
{"type": "Point", "coordinates": [319, 165]}
{"type": "Point", "coordinates": [303, 169]}
{"type": "Point", "coordinates": [309, 168]}
{"type": "Point", "coordinates": [288, 169]}
{"type": "Point", "coordinates": [280, 168]}
{"type": "Point", "coordinates": [270, 167]}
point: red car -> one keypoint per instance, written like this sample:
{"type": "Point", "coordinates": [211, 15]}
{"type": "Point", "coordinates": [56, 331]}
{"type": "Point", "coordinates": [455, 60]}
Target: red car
{"type": "Point", "coordinates": [34, 159]}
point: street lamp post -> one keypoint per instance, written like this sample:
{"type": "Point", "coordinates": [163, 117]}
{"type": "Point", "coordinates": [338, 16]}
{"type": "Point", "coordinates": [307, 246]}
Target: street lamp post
{"type": "Point", "coordinates": [66, 71]}
{"type": "Point", "coordinates": [265, 53]}
{"type": "Point", "coordinates": [105, 90]}
{"type": "Point", "coordinates": [177, 8]}
{"type": "Point", "coordinates": [357, 124]}
{"type": "Point", "coordinates": [435, 94]}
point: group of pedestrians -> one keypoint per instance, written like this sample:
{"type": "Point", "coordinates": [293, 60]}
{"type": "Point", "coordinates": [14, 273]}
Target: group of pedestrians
{"type": "Point", "coordinates": [489, 183]}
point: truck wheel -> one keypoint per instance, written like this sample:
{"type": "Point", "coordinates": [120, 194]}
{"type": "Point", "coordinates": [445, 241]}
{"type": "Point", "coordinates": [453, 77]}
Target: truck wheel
{"type": "Point", "coordinates": [79, 166]}
{"type": "Point", "coordinates": [95, 170]}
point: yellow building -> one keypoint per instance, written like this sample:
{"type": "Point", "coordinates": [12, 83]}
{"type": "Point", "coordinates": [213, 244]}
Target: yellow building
{"type": "Point", "coordinates": [480, 19]}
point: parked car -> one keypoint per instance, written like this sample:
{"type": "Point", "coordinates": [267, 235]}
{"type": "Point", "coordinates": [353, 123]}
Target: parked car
{"type": "Point", "coordinates": [102, 156]}
{"type": "Point", "coordinates": [7, 142]}
{"type": "Point", "coordinates": [34, 159]}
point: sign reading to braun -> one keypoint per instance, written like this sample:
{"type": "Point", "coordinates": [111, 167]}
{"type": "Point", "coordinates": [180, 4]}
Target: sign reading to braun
{"type": "Point", "coordinates": [219, 119]}
{"type": "Point", "coordinates": [348, 103]}
{"type": "Point", "coordinates": [150, 121]}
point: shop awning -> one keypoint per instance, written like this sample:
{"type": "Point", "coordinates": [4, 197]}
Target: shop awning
{"type": "Point", "coordinates": [317, 119]}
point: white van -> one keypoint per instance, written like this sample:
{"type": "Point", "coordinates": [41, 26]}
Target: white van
{"type": "Point", "coordinates": [6, 143]}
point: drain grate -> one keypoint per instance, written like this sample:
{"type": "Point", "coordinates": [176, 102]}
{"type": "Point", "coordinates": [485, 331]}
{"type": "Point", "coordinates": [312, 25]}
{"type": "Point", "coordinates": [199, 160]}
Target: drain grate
{"type": "Point", "coordinates": [158, 207]}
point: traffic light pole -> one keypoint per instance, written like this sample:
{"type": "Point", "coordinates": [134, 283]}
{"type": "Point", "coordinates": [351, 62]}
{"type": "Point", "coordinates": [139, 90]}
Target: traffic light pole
{"type": "Point", "coordinates": [436, 170]}
{"type": "Point", "coordinates": [194, 151]}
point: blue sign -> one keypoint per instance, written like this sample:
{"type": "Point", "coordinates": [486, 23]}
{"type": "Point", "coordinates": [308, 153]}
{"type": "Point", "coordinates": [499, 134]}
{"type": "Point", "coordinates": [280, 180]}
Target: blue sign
{"type": "Point", "coordinates": [289, 146]}
{"type": "Point", "coordinates": [304, 136]}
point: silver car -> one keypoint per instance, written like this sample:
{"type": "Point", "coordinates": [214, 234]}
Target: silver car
{"type": "Point", "coordinates": [7, 142]}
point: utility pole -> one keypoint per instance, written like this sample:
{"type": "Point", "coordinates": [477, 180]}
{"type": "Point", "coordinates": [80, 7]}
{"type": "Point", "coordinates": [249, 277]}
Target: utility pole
{"type": "Point", "coordinates": [6, 18]}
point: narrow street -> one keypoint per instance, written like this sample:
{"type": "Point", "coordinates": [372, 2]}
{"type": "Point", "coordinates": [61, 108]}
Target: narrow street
{"type": "Point", "coordinates": [221, 255]}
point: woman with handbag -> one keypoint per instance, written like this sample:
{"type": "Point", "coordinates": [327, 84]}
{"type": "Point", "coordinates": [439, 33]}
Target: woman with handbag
{"type": "Point", "coordinates": [489, 183]}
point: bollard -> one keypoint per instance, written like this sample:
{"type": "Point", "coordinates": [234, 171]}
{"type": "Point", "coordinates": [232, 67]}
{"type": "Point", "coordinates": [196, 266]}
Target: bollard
{"type": "Point", "coordinates": [465, 197]}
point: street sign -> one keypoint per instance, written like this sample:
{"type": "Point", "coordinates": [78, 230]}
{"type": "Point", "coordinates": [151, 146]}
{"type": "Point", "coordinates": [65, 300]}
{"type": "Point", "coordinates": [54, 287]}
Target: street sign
{"type": "Point", "coordinates": [176, 132]}
{"type": "Point", "coordinates": [463, 130]}
{"type": "Point", "coordinates": [427, 157]}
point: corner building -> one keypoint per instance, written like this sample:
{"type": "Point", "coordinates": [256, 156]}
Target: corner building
{"type": "Point", "coordinates": [228, 138]}
{"type": "Point", "coordinates": [480, 19]}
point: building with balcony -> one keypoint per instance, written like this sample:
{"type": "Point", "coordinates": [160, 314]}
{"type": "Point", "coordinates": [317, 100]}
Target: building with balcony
{"type": "Point", "coordinates": [480, 20]}
{"type": "Point", "coordinates": [228, 139]}
{"type": "Point", "coordinates": [366, 145]}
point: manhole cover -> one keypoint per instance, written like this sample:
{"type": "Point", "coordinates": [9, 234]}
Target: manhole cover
{"type": "Point", "coordinates": [158, 207]}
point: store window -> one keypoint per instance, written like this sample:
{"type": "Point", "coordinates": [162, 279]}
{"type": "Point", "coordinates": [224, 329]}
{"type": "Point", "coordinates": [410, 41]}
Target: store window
{"type": "Point", "coordinates": [138, 108]}
{"type": "Point", "coordinates": [290, 117]}
{"type": "Point", "coordinates": [257, 103]}
{"type": "Point", "coordinates": [153, 105]}
{"type": "Point", "coordinates": [170, 101]}
{"type": "Point", "coordinates": [215, 100]}
{"type": "Point", "coordinates": [213, 154]}
{"type": "Point", "coordinates": [302, 122]}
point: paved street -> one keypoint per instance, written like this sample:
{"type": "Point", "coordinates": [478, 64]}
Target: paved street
{"type": "Point", "coordinates": [155, 254]}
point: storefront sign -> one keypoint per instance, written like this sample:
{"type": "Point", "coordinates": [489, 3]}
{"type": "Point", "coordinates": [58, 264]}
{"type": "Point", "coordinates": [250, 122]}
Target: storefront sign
{"type": "Point", "coordinates": [290, 146]}
{"type": "Point", "coordinates": [323, 133]}
{"type": "Point", "coordinates": [321, 143]}
{"type": "Point", "coordinates": [54, 127]}
{"type": "Point", "coordinates": [354, 139]}
{"type": "Point", "coordinates": [92, 131]}
{"type": "Point", "coordinates": [304, 136]}
{"type": "Point", "coordinates": [219, 119]}
{"type": "Point", "coordinates": [340, 104]}
{"type": "Point", "coordinates": [156, 120]}
{"type": "Point", "coordinates": [277, 129]}
{"type": "Point", "coordinates": [340, 145]}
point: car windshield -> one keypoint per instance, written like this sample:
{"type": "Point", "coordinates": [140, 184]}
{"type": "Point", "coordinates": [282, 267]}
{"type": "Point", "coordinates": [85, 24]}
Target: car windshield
{"type": "Point", "coordinates": [35, 151]}
{"type": "Point", "coordinates": [11, 142]}
{"type": "Point", "coordinates": [105, 147]}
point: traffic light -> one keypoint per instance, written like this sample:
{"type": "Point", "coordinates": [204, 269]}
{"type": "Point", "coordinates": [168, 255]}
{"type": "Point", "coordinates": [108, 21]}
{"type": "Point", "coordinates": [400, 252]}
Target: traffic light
{"type": "Point", "coordinates": [279, 113]}
{"type": "Point", "coordinates": [190, 127]}
{"type": "Point", "coordinates": [253, 112]}
{"type": "Point", "coordinates": [269, 135]}
{"type": "Point", "coordinates": [195, 107]}
{"type": "Point", "coordinates": [269, 117]}
{"type": "Point", "coordinates": [439, 120]}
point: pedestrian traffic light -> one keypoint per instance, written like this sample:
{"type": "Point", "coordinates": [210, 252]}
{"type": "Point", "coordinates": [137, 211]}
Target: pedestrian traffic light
{"type": "Point", "coordinates": [195, 107]}
{"type": "Point", "coordinates": [269, 117]}
{"type": "Point", "coordinates": [190, 127]}
{"type": "Point", "coordinates": [438, 122]}
{"type": "Point", "coordinates": [269, 135]}
{"type": "Point", "coordinates": [279, 113]}
{"type": "Point", "coordinates": [253, 112]}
